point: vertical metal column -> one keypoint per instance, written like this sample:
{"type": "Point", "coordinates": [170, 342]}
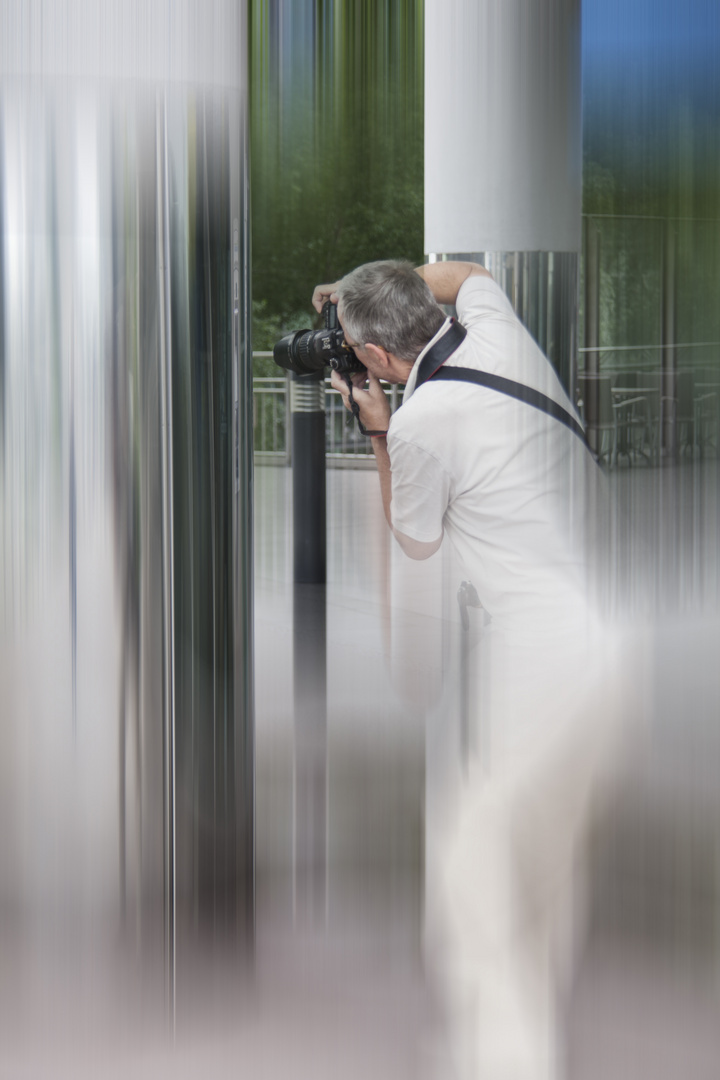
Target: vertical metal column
{"type": "Point", "coordinates": [126, 481]}
{"type": "Point", "coordinates": [668, 426]}
{"type": "Point", "coordinates": [591, 339]}
{"type": "Point", "coordinates": [168, 549]}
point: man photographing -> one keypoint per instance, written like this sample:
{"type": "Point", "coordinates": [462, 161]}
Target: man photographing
{"type": "Point", "coordinates": [499, 475]}
{"type": "Point", "coordinates": [405, 332]}
{"type": "Point", "coordinates": [486, 450]}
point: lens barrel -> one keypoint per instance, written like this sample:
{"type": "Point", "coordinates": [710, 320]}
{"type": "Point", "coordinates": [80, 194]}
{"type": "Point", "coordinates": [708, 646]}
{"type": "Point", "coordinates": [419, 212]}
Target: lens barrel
{"type": "Point", "coordinates": [291, 353]}
{"type": "Point", "coordinates": [306, 352]}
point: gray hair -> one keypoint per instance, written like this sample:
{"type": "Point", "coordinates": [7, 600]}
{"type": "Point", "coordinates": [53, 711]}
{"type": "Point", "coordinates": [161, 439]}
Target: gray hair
{"type": "Point", "coordinates": [388, 304]}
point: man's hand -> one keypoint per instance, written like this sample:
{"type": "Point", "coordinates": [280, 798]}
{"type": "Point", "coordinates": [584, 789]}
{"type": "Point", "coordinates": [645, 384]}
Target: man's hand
{"type": "Point", "coordinates": [373, 404]}
{"type": "Point", "coordinates": [322, 294]}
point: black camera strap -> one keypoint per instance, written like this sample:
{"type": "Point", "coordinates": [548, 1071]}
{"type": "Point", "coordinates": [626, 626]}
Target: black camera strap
{"type": "Point", "coordinates": [431, 367]}
{"type": "Point", "coordinates": [438, 353]}
{"type": "Point", "coordinates": [355, 410]}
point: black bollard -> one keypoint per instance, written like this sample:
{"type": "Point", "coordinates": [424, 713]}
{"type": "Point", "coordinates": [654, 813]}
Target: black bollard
{"type": "Point", "coordinates": [309, 647]}
{"type": "Point", "coordinates": [308, 466]}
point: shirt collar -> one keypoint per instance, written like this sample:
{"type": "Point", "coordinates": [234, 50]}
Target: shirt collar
{"type": "Point", "coordinates": [412, 378]}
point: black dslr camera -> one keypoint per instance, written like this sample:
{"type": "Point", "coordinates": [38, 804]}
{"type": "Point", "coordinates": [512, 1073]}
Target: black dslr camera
{"type": "Point", "coordinates": [307, 352]}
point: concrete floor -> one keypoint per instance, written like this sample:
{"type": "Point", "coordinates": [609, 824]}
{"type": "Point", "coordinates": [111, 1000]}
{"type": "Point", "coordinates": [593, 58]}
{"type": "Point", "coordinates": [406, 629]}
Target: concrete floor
{"type": "Point", "coordinates": [645, 995]}
{"type": "Point", "coordinates": [337, 988]}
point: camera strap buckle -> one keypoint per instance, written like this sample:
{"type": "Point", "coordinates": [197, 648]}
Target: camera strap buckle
{"type": "Point", "coordinates": [355, 409]}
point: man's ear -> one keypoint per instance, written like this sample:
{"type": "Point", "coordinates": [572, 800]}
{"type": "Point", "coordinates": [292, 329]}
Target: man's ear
{"type": "Point", "coordinates": [380, 357]}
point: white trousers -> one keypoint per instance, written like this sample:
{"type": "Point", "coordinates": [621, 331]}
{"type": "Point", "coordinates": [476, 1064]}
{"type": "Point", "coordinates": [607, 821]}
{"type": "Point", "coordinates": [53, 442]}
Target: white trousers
{"type": "Point", "coordinates": [503, 900]}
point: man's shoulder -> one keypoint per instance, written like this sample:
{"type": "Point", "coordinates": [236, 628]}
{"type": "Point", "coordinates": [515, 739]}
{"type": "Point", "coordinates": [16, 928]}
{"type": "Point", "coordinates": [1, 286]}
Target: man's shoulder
{"type": "Point", "coordinates": [427, 421]}
{"type": "Point", "coordinates": [480, 294]}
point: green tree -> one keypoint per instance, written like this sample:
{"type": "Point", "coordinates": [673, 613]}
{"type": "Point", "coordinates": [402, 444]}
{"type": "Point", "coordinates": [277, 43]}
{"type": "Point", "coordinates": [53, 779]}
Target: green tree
{"type": "Point", "coordinates": [337, 149]}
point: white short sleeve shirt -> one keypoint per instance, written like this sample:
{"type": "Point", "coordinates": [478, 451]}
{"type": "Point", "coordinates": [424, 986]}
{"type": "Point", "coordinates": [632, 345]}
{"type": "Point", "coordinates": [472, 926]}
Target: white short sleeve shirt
{"type": "Point", "coordinates": [506, 482]}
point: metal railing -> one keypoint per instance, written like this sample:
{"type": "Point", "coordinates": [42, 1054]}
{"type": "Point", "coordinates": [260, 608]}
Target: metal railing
{"type": "Point", "coordinates": [344, 444]}
{"type": "Point", "coordinates": [622, 358]}
{"type": "Point", "coordinates": [271, 430]}
{"type": "Point", "coordinates": [346, 447]}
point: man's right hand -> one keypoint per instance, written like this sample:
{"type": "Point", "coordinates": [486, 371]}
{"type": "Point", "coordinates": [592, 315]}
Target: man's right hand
{"type": "Point", "coordinates": [373, 404]}
{"type": "Point", "coordinates": [322, 294]}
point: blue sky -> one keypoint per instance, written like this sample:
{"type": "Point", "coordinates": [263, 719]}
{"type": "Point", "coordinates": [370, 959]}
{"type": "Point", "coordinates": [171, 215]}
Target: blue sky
{"type": "Point", "coordinates": [662, 47]}
{"type": "Point", "coordinates": [648, 23]}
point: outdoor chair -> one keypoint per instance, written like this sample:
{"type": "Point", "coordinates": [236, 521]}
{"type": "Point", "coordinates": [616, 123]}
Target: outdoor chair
{"type": "Point", "coordinates": [694, 416]}
{"type": "Point", "coordinates": [660, 408]}
{"type": "Point", "coordinates": [706, 407]}
{"type": "Point", "coordinates": [615, 425]}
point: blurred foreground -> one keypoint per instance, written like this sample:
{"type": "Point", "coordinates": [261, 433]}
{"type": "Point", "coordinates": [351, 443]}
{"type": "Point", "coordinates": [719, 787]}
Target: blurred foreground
{"type": "Point", "coordinates": [337, 985]}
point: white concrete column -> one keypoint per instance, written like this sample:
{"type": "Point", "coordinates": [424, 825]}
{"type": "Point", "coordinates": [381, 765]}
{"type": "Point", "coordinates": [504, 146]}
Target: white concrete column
{"type": "Point", "coordinates": [503, 154]}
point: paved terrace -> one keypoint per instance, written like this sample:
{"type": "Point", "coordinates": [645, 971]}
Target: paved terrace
{"type": "Point", "coordinates": [338, 987]}
{"type": "Point", "coordinates": [647, 989]}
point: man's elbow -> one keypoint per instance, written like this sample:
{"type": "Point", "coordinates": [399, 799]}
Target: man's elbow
{"type": "Point", "coordinates": [417, 549]}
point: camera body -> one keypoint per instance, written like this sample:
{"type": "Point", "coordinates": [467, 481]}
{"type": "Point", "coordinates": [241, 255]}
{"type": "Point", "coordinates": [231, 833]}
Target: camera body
{"type": "Point", "coordinates": [308, 352]}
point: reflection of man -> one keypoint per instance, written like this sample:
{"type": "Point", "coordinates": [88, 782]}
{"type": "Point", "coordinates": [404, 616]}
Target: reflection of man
{"type": "Point", "coordinates": [508, 482]}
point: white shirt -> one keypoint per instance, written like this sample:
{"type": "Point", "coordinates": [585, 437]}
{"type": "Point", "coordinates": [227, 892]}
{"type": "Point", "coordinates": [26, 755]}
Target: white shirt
{"type": "Point", "coordinates": [505, 481]}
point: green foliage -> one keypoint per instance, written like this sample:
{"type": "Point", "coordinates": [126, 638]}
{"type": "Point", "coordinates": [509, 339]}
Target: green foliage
{"type": "Point", "coordinates": [599, 189]}
{"type": "Point", "coordinates": [337, 176]}
{"type": "Point", "coordinates": [337, 152]}
{"type": "Point", "coordinates": [268, 327]}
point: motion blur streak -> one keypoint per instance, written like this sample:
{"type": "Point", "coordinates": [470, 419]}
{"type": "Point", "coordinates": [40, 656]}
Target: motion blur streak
{"type": "Point", "coordinates": [125, 455]}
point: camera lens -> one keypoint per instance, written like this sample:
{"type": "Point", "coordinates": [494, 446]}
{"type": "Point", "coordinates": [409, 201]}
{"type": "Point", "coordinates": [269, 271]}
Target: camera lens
{"type": "Point", "coordinates": [293, 353]}
{"type": "Point", "coordinates": [307, 352]}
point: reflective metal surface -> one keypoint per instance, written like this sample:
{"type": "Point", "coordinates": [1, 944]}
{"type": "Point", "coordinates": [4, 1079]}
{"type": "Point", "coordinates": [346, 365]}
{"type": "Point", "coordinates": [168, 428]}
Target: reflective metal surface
{"type": "Point", "coordinates": [542, 287]}
{"type": "Point", "coordinates": [126, 784]}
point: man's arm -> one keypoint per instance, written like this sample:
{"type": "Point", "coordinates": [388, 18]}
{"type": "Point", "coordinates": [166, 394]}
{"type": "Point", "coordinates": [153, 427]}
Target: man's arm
{"type": "Point", "coordinates": [445, 278]}
{"type": "Point", "coordinates": [376, 415]}
{"type": "Point", "coordinates": [415, 549]}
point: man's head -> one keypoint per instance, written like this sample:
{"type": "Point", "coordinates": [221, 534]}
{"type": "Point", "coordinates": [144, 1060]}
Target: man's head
{"type": "Point", "coordinates": [387, 308]}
